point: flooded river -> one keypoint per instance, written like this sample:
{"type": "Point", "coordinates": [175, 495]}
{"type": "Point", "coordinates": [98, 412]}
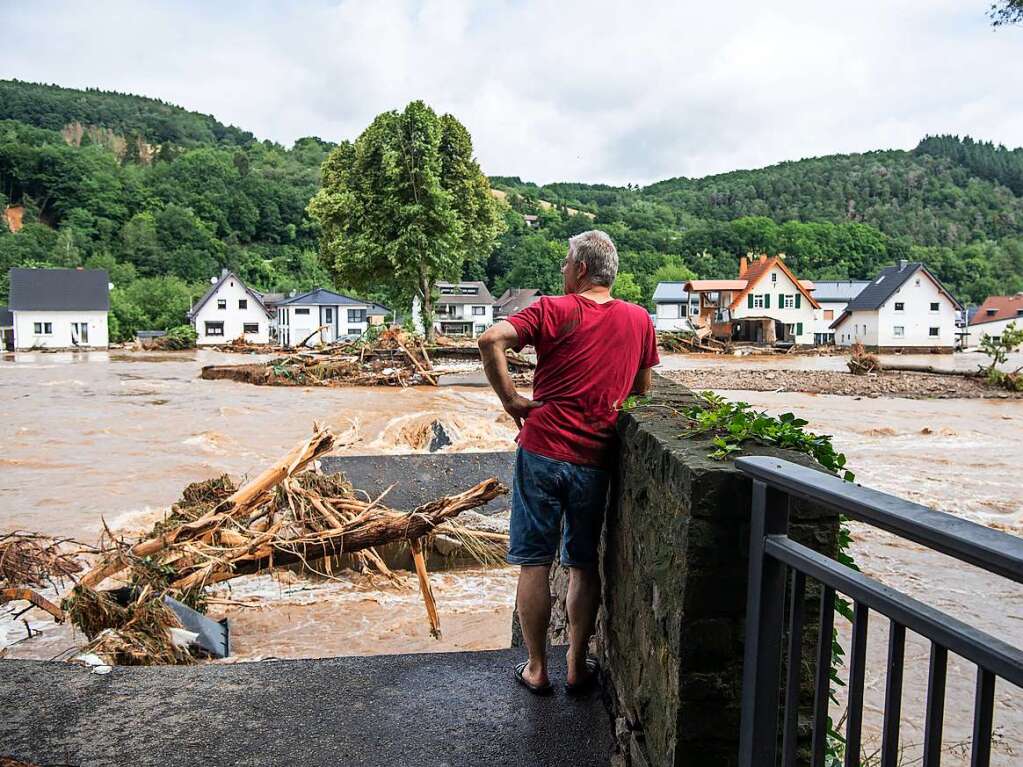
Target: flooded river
{"type": "Point", "coordinates": [116, 436]}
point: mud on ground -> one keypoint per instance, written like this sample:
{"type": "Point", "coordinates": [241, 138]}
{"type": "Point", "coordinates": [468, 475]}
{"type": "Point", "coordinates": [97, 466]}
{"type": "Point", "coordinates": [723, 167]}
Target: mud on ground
{"type": "Point", "coordinates": [891, 383]}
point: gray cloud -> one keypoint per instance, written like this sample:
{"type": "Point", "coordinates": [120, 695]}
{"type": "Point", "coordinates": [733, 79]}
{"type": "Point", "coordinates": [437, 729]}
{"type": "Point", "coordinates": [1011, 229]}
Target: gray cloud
{"type": "Point", "coordinates": [588, 91]}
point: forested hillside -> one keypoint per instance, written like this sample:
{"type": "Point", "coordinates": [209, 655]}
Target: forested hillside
{"type": "Point", "coordinates": [164, 198]}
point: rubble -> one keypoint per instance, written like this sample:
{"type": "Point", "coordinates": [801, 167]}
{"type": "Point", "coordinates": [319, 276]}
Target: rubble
{"type": "Point", "coordinates": [31, 561]}
{"type": "Point", "coordinates": [389, 358]}
{"type": "Point", "coordinates": [288, 516]}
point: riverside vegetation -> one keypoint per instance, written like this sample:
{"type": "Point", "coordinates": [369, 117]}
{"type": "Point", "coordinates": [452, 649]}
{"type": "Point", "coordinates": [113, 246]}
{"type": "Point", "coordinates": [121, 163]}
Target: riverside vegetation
{"type": "Point", "coordinates": [163, 198]}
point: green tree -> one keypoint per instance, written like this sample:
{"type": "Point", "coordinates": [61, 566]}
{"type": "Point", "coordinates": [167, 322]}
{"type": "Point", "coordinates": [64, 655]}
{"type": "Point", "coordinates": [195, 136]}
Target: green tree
{"type": "Point", "coordinates": [627, 289]}
{"type": "Point", "coordinates": [406, 204]}
{"type": "Point", "coordinates": [1006, 12]}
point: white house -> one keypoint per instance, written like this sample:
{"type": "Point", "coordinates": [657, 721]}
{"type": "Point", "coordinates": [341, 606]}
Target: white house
{"type": "Point", "coordinates": [833, 297]}
{"type": "Point", "coordinates": [461, 309]}
{"type": "Point", "coordinates": [994, 316]}
{"type": "Point", "coordinates": [230, 310]}
{"type": "Point", "coordinates": [674, 306]}
{"type": "Point", "coordinates": [323, 316]}
{"type": "Point", "coordinates": [906, 307]}
{"type": "Point", "coordinates": [59, 308]}
{"type": "Point", "coordinates": [767, 303]}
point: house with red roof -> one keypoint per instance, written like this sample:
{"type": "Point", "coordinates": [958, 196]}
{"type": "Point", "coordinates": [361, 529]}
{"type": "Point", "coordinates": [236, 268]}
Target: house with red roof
{"type": "Point", "coordinates": [767, 303]}
{"type": "Point", "coordinates": [993, 316]}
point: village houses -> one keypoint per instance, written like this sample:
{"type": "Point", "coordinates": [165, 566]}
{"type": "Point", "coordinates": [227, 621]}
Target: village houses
{"type": "Point", "coordinates": [514, 300]}
{"type": "Point", "coordinates": [905, 307]}
{"type": "Point", "coordinates": [229, 311]}
{"type": "Point", "coordinates": [994, 316]}
{"type": "Point", "coordinates": [323, 316]}
{"type": "Point", "coordinates": [461, 309]}
{"type": "Point", "coordinates": [766, 304]}
{"type": "Point", "coordinates": [56, 309]}
{"type": "Point", "coordinates": [833, 296]}
{"type": "Point", "coordinates": [673, 306]}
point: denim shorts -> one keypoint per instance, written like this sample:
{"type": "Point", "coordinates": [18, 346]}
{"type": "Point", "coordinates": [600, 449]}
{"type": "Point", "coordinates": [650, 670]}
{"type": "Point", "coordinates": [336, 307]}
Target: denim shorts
{"type": "Point", "coordinates": [556, 501]}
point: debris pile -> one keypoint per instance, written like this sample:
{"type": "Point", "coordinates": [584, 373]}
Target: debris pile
{"type": "Point", "coordinates": [861, 362]}
{"type": "Point", "coordinates": [285, 517]}
{"type": "Point", "coordinates": [390, 357]}
{"type": "Point", "coordinates": [699, 340]}
{"type": "Point", "coordinates": [29, 562]}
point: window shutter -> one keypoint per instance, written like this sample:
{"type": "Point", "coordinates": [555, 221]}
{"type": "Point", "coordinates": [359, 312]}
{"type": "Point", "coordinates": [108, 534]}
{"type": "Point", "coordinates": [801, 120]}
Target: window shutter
{"type": "Point", "coordinates": [799, 328]}
{"type": "Point", "coordinates": [749, 300]}
{"type": "Point", "coordinates": [799, 300]}
{"type": "Point", "coordinates": [767, 300]}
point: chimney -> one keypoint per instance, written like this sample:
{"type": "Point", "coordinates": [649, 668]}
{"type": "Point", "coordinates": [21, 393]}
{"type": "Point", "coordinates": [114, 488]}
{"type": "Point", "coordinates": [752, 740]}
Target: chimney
{"type": "Point", "coordinates": [743, 265]}
{"type": "Point", "coordinates": [903, 263]}
{"type": "Point", "coordinates": [763, 258]}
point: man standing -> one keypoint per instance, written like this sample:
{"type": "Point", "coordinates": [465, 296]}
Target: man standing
{"type": "Point", "coordinates": [592, 352]}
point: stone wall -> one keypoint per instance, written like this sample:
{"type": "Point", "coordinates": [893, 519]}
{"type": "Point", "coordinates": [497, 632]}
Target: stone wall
{"type": "Point", "coordinates": [674, 571]}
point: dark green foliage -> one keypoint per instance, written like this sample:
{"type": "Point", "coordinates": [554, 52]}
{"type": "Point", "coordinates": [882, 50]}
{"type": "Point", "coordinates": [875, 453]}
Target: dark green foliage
{"type": "Point", "coordinates": [1006, 12]}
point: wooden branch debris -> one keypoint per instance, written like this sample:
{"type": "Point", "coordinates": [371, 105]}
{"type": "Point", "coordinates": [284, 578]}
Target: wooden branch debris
{"type": "Point", "coordinates": [686, 341]}
{"type": "Point", "coordinates": [19, 592]}
{"type": "Point", "coordinates": [283, 517]}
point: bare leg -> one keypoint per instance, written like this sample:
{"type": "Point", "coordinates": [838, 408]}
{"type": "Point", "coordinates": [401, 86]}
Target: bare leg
{"type": "Point", "coordinates": [534, 604]}
{"type": "Point", "coordinates": [583, 601]}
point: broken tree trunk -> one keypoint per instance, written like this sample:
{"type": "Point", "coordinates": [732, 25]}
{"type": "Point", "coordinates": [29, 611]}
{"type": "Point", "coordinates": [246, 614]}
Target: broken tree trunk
{"type": "Point", "coordinates": [14, 594]}
{"type": "Point", "coordinates": [424, 587]}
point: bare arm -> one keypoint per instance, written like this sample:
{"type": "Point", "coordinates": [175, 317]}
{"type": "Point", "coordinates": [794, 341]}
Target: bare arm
{"type": "Point", "coordinates": [643, 380]}
{"type": "Point", "coordinates": [494, 342]}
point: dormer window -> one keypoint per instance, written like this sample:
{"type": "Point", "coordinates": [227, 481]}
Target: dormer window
{"type": "Point", "coordinates": [993, 312]}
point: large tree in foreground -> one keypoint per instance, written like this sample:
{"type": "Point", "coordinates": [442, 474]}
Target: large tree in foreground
{"type": "Point", "coordinates": [405, 205]}
{"type": "Point", "coordinates": [1006, 12]}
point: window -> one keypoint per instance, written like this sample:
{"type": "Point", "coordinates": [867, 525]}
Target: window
{"type": "Point", "coordinates": [935, 332]}
{"type": "Point", "coordinates": [479, 311]}
{"type": "Point", "coordinates": [788, 302]}
{"type": "Point", "coordinates": [829, 314]}
{"type": "Point", "coordinates": [357, 315]}
{"type": "Point", "coordinates": [221, 303]}
{"type": "Point", "coordinates": [301, 311]}
{"type": "Point", "coordinates": [774, 278]}
{"type": "Point", "coordinates": [900, 306]}
{"type": "Point", "coordinates": [758, 302]}
{"type": "Point", "coordinates": [480, 328]}
{"type": "Point", "coordinates": [935, 306]}
{"type": "Point", "coordinates": [80, 332]}
{"type": "Point", "coordinates": [214, 328]}
{"type": "Point", "coordinates": [898, 331]}
{"type": "Point", "coordinates": [799, 328]}
{"type": "Point", "coordinates": [354, 331]}
{"type": "Point", "coordinates": [43, 328]}
{"type": "Point", "coordinates": [243, 303]}
{"type": "Point", "coordinates": [250, 327]}
{"type": "Point", "coordinates": [328, 314]}
{"type": "Point", "coordinates": [993, 312]}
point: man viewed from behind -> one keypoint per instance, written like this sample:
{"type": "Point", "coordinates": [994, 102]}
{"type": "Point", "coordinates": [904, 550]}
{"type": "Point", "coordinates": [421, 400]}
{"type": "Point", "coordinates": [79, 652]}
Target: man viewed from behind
{"type": "Point", "coordinates": [592, 352]}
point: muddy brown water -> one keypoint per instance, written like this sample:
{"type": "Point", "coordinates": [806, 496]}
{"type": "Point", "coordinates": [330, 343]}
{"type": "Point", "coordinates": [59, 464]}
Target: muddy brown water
{"type": "Point", "coordinates": [118, 435]}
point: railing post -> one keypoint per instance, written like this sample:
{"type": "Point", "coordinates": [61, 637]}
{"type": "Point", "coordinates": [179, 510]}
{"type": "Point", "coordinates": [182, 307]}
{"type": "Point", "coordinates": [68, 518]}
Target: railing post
{"type": "Point", "coordinates": [765, 605]}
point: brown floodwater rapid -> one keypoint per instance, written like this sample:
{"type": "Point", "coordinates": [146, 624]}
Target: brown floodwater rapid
{"type": "Point", "coordinates": [116, 436]}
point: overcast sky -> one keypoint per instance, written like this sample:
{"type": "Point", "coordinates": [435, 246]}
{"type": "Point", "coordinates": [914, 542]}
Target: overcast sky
{"type": "Point", "coordinates": [582, 91]}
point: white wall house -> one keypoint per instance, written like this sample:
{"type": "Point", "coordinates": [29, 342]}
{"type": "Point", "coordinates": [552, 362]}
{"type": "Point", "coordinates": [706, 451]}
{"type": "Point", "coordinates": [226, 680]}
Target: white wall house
{"type": "Point", "coordinates": [767, 294]}
{"type": "Point", "coordinates": [833, 297]}
{"type": "Point", "coordinates": [905, 307]}
{"type": "Point", "coordinates": [673, 306]}
{"type": "Point", "coordinates": [461, 309]}
{"type": "Point", "coordinates": [323, 316]}
{"type": "Point", "coordinates": [994, 316]}
{"type": "Point", "coordinates": [59, 308]}
{"type": "Point", "coordinates": [228, 311]}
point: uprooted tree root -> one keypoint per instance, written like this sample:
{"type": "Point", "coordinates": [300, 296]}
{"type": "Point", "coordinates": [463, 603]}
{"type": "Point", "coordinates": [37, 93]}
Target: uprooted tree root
{"type": "Point", "coordinates": [218, 531]}
{"type": "Point", "coordinates": [861, 362]}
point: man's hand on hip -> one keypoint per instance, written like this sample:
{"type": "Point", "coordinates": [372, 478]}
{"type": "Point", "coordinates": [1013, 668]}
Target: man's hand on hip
{"type": "Point", "coordinates": [518, 408]}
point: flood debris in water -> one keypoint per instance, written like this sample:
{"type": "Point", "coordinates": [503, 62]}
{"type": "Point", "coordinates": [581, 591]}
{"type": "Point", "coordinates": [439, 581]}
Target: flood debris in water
{"type": "Point", "coordinates": [31, 561]}
{"type": "Point", "coordinates": [289, 516]}
{"type": "Point", "coordinates": [389, 358]}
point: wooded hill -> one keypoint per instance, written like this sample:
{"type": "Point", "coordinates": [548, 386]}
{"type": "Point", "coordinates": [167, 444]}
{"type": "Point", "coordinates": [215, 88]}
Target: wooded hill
{"type": "Point", "coordinates": [164, 197]}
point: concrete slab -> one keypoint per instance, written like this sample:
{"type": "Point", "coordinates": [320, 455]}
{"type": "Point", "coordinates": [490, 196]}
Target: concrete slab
{"type": "Point", "coordinates": [432, 710]}
{"type": "Point", "coordinates": [423, 477]}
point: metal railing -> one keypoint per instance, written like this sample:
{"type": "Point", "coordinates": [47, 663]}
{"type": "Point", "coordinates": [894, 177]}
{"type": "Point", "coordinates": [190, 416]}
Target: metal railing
{"type": "Point", "coordinates": [776, 559]}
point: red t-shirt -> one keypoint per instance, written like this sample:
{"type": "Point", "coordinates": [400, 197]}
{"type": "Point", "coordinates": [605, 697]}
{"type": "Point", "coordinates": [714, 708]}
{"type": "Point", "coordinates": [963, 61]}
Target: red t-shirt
{"type": "Point", "coordinates": [588, 355]}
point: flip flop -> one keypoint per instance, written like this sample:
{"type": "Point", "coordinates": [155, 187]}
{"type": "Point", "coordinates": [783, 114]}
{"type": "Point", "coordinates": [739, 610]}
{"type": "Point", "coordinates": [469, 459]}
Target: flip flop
{"type": "Point", "coordinates": [583, 687]}
{"type": "Point", "coordinates": [536, 689]}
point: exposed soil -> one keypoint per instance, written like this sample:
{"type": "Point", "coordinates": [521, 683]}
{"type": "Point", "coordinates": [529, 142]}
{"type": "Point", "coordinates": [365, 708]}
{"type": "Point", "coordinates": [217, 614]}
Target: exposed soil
{"type": "Point", "coordinates": [888, 384]}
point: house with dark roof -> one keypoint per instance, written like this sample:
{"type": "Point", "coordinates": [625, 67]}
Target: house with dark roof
{"type": "Point", "coordinates": [994, 316]}
{"type": "Point", "coordinates": [514, 300]}
{"type": "Point", "coordinates": [230, 310]}
{"type": "Point", "coordinates": [833, 296]}
{"type": "Point", "coordinates": [59, 308]}
{"type": "Point", "coordinates": [904, 308]}
{"type": "Point", "coordinates": [673, 306]}
{"type": "Point", "coordinates": [461, 309]}
{"type": "Point", "coordinates": [322, 316]}
{"type": "Point", "coordinates": [765, 304]}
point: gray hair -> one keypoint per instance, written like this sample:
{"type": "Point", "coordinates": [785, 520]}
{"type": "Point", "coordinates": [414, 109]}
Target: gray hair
{"type": "Point", "coordinates": [595, 249]}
